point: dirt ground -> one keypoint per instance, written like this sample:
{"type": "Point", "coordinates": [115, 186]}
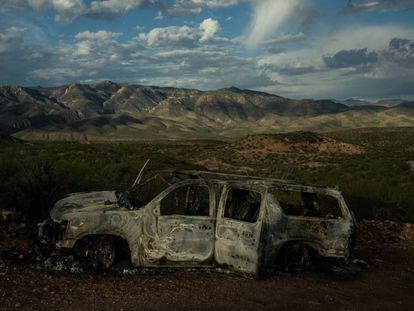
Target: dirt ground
{"type": "Point", "coordinates": [381, 278]}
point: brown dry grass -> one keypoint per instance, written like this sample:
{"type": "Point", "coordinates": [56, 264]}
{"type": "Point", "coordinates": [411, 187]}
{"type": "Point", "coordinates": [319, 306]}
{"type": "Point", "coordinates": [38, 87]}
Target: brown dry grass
{"type": "Point", "coordinates": [215, 164]}
{"type": "Point", "coordinates": [275, 144]}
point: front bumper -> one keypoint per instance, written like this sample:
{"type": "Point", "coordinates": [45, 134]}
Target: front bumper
{"type": "Point", "coordinates": [51, 232]}
{"type": "Point", "coordinates": [68, 243]}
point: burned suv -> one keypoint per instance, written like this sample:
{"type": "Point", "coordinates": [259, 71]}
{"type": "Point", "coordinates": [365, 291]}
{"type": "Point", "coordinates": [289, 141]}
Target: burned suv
{"type": "Point", "coordinates": [195, 218]}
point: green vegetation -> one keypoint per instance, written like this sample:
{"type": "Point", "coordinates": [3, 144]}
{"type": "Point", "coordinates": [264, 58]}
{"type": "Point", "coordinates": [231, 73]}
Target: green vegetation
{"type": "Point", "coordinates": [377, 183]}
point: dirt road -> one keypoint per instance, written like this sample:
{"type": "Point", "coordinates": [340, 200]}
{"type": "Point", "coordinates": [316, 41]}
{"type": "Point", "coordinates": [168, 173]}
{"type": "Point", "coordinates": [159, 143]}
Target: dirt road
{"type": "Point", "coordinates": [384, 282]}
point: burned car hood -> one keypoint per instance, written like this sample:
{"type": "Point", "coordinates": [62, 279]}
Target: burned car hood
{"type": "Point", "coordinates": [84, 202]}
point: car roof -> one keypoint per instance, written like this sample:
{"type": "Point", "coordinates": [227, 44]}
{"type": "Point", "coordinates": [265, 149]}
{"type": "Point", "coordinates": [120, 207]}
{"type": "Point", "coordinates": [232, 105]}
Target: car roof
{"type": "Point", "coordinates": [252, 181]}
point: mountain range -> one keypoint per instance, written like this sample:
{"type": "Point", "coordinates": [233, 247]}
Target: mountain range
{"type": "Point", "coordinates": [115, 111]}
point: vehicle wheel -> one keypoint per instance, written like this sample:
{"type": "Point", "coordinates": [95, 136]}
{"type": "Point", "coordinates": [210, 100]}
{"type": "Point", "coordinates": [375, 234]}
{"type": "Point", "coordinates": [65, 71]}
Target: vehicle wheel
{"type": "Point", "coordinates": [97, 253]}
{"type": "Point", "coordinates": [296, 258]}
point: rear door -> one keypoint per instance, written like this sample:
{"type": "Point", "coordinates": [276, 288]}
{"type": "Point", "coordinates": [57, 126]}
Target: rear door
{"type": "Point", "coordinates": [321, 216]}
{"type": "Point", "coordinates": [238, 228]}
{"type": "Point", "coordinates": [186, 223]}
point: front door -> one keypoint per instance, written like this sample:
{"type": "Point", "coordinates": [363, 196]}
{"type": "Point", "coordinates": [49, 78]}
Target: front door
{"type": "Point", "coordinates": [186, 224]}
{"type": "Point", "coordinates": [238, 229]}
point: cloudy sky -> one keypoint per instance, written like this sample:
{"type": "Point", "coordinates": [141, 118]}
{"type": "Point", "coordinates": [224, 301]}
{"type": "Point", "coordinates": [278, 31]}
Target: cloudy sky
{"type": "Point", "coordinates": [295, 48]}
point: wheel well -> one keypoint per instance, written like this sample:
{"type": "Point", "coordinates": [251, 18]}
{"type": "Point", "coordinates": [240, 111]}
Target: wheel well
{"type": "Point", "coordinates": [121, 245]}
{"type": "Point", "coordinates": [122, 248]}
{"type": "Point", "coordinates": [312, 247]}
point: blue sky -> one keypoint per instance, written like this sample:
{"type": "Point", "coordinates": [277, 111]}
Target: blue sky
{"type": "Point", "coordinates": [295, 48]}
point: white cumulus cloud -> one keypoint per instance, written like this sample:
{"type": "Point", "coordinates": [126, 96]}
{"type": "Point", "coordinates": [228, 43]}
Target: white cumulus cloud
{"type": "Point", "coordinates": [67, 10]}
{"type": "Point", "coordinates": [115, 7]}
{"type": "Point", "coordinates": [183, 7]}
{"type": "Point", "coordinates": [209, 28]}
{"type": "Point", "coordinates": [181, 35]}
{"type": "Point", "coordinates": [101, 35]}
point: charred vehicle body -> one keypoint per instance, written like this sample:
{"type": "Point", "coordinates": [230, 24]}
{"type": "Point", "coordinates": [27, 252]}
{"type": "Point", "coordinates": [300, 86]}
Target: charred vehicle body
{"type": "Point", "coordinates": [195, 218]}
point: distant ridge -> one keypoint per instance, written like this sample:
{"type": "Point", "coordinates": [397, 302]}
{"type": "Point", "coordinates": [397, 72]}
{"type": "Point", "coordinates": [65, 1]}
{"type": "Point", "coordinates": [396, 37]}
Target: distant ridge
{"type": "Point", "coordinates": [111, 109]}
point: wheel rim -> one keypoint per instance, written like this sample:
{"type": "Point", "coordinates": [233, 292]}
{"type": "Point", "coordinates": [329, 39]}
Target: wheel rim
{"type": "Point", "coordinates": [297, 258]}
{"type": "Point", "coordinates": [99, 253]}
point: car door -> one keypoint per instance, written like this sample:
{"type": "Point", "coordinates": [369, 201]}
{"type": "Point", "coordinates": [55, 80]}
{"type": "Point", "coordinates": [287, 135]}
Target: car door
{"type": "Point", "coordinates": [186, 224]}
{"type": "Point", "coordinates": [318, 216]}
{"type": "Point", "coordinates": [238, 228]}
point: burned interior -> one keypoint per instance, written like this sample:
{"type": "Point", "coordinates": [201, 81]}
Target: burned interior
{"type": "Point", "coordinates": [195, 218]}
{"type": "Point", "coordinates": [308, 204]}
{"type": "Point", "coordinates": [242, 205]}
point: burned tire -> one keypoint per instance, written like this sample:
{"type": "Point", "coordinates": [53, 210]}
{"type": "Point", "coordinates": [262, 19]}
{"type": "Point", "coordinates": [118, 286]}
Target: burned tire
{"type": "Point", "coordinates": [295, 258]}
{"type": "Point", "coordinates": [97, 252]}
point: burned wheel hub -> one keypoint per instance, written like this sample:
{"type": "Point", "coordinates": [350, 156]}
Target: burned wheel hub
{"type": "Point", "coordinates": [296, 258]}
{"type": "Point", "coordinates": [97, 252]}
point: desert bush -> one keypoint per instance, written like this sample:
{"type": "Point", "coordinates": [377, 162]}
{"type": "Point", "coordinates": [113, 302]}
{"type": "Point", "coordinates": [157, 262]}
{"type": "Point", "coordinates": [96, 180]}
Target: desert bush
{"type": "Point", "coordinates": [377, 184]}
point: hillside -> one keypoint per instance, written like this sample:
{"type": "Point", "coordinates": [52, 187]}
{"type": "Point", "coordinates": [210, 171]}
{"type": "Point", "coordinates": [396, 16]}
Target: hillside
{"type": "Point", "coordinates": [111, 111]}
{"type": "Point", "coordinates": [296, 142]}
{"type": "Point", "coordinates": [6, 140]}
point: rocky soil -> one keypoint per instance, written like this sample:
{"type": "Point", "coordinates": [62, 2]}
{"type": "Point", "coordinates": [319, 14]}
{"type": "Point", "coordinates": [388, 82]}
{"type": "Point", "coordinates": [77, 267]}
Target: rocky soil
{"type": "Point", "coordinates": [380, 278]}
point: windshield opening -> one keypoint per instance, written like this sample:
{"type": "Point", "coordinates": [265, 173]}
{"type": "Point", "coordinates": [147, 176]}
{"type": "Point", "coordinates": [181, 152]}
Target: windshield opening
{"type": "Point", "coordinates": [146, 191]}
